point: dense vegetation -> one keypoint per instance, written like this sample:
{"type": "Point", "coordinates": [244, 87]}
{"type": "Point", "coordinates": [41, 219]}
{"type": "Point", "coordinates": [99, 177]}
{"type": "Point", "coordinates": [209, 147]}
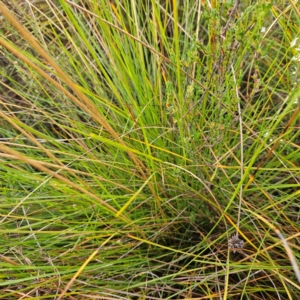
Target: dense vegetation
{"type": "Point", "coordinates": [149, 149]}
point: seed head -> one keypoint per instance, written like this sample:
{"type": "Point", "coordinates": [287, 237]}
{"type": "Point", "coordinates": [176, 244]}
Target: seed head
{"type": "Point", "coordinates": [235, 243]}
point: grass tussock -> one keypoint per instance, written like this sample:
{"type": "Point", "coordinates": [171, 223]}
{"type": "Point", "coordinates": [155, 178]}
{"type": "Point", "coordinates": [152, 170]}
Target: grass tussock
{"type": "Point", "coordinates": [149, 149]}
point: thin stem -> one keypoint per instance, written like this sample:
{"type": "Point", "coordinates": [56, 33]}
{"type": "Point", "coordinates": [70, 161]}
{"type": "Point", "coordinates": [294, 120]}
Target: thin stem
{"type": "Point", "coordinates": [242, 148]}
